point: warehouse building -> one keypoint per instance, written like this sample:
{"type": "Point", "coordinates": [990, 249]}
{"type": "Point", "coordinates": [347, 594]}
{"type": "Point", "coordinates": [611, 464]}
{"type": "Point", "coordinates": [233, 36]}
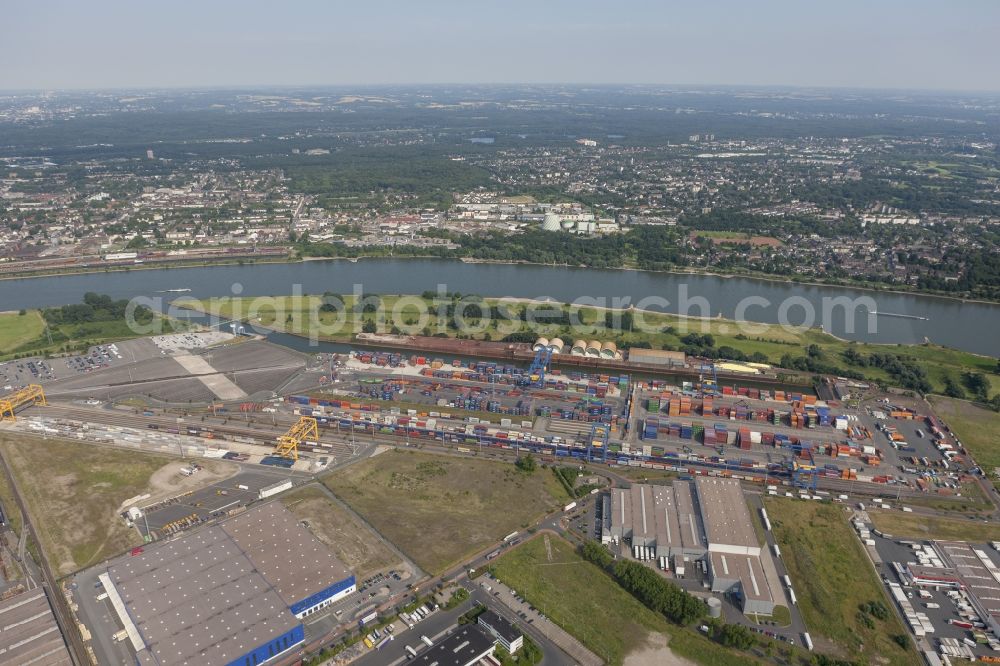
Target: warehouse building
{"type": "Point", "coordinates": [706, 519]}
{"type": "Point", "coordinates": [29, 633]}
{"type": "Point", "coordinates": [657, 357]}
{"type": "Point", "coordinates": [231, 594]}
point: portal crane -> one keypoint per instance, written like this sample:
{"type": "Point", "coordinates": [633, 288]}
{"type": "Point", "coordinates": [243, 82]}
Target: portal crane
{"type": "Point", "coordinates": [536, 373]}
{"type": "Point", "coordinates": [32, 394]}
{"type": "Point", "coordinates": [288, 444]}
{"type": "Point", "coordinates": [600, 434]}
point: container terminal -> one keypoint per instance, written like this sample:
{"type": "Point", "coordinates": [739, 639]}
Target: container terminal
{"type": "Point", "coordinates": [239, 396]}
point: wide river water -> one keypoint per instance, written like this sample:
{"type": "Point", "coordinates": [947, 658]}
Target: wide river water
{"type": "Point", "coordinates": [972, 327]}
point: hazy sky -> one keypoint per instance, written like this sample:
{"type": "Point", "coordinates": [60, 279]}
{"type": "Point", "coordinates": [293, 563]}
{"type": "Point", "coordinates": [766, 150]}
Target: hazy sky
{"type": "Point", "coordinates": [866, 43]}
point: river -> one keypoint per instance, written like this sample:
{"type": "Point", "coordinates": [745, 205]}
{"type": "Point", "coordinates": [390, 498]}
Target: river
{"type": "Point", "coordinates": [967, 326]}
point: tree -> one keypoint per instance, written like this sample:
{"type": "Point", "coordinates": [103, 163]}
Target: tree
{"type": "Point", "coordinates": [526, 463]}
{"type": "Point", "coordinates": [369, 327]}
{"type": "Point", "coordinates": [978, 384]}
{"type": "Point", "coordinates": [596, 553]}
{"type": "Point", "coordinates": [735, 636]}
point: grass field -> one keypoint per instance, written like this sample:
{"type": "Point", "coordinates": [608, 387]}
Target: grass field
{"type": "Point", "coordinates": [588, 604]}
{"type": "Point", "coordinates": [975, 427]}
{"type": "Point", "coordinates": [17, 329]}
{"type": "Point", "coordinates": [25, 335]}
{"type": "Point", "coordinates": [354, 543]}
{"type": "Point", "coordinates": [300, 315]}
{"type": "Point", "coordinates": [73, 492]}
{"type": "Point", "coordinates": [441, 509]}
{"type": "Point", "coordinates": [10, 509]}
{"type": "Point", "coordinates": [832, 577]}
{"type": "Point", "coordinates": [914, 526]}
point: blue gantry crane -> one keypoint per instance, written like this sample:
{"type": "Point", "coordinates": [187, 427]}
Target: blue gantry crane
{"type": "Point", "coordinates": [539, 366]}
{"type": "Point", "coordinates": [600, 435]}
{"type": "Point", "coordinates": [710, 387]}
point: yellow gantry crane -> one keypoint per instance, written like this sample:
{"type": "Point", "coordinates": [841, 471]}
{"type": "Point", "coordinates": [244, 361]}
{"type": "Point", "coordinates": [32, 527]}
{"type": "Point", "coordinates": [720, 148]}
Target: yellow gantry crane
{"type": "Point", "coordinates": [288, 444]}
{"type": "Point", "coordinates": [32, 394]}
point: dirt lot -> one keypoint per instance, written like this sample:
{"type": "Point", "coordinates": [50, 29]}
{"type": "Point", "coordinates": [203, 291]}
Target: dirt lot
{"type": "Point", "coordinates": [74, 491]}
{"type": "Point", "coordinates": [440, 509]}
{"type": "Point", "coordinates": [354, 543]}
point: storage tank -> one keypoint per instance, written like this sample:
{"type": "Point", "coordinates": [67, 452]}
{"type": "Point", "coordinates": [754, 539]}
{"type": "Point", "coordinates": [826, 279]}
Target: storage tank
{"type": "Point", "coordinates": [579, 348]}
{"type": "Point", "coordinates": [609, 349]}
{"type": "Point", "coordinates": [556, 345]}
{"type": "Point", "coordinates": [594, 348]}
{"type": "Point", "coordinates": [540, 343]}
{"type": "Point", "coordinates": [714, 607]}
{"type": "Point", "coordinates": [567, 225]}
{"type": "Point", "coordinates": [551, 222]}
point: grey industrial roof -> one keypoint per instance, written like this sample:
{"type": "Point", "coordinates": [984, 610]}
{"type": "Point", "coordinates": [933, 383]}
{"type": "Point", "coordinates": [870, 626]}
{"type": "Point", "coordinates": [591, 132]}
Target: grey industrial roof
{"type": "Point", "coordinates": [745, 568]}
{"type": "Point", "coordinates": [500, 625]}
{"type": "Point", "coordinates": [461, 648]}
{"type": "Point", "coordinates": [689, 521]}
{"type": "Point", "coordinates": [217, 593]}
{"type": "Point", "coordinates": [199, 600]}
{"type": "Point", "coordinates": [727, 518]}
{"type": "Point", "coordinates": [292, 560]}
{"type": "Point", "coordinates": [666, 513]}
{"type": "Point", "coordinates": [29, 633]}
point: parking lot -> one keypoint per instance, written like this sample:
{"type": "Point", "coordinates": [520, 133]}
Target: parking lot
{"type": "Point", "coordinates": [941, 606]}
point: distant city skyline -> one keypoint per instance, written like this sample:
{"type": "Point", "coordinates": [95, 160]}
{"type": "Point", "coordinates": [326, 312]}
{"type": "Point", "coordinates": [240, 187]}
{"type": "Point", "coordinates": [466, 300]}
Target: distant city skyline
{"type": "Point", "coordinates": [892, 44]}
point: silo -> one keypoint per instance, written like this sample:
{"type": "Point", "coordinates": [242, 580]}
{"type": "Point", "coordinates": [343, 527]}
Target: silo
{"type": "Point", "coordinates": [579, 348]}
{"type": "Point", "coordinates": [594, 348]}
{"type": "Point", "coordinates": [556, 345]}
{"type": "Point", "coordinates": [609, 349]}
{"type": "Point", "coordinates": [540, 343]}
{"type": "Point", "coordinates": [714, 607]}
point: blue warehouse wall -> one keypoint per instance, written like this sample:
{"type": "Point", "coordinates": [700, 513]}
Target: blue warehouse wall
{"type": "Point", "coordinates": [322, 595]}
{"type": "Point", "coordinates": [272, 648]}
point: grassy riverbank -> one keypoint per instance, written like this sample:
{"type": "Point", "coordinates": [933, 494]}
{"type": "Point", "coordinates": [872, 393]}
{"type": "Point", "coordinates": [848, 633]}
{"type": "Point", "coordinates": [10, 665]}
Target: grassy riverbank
{"type": "Point", "coordinates": [767, 343]}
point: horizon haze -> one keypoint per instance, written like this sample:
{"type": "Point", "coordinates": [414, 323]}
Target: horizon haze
{"type": "Point", "coordinates": [894, 45]}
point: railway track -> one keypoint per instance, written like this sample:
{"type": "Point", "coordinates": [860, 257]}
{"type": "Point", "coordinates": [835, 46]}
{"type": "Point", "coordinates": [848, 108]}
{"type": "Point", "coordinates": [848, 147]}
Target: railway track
{"type": "Point", "coordinates": [262, 434]}
{"type": "Point", "coordinates": [339, 444]}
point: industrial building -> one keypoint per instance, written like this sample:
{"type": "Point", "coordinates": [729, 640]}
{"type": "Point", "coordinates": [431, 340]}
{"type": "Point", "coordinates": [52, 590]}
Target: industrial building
{"type": "Point", "coordinates": [507, 635]}
{"type": "Point", "coordinates": [706, 519]}
{"type": "Point", "coordinates": [29, 633]}
{"type": "Point", "coordinates": [657, 357]}
{"type": "Point", "coordinates": [231, 594]}
{"type": "Point", "coordinates": [468, 645]}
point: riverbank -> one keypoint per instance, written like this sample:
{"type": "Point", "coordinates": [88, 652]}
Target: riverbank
{"type": "Point", "coordinates": [145, 266]}
{"type": "Point", "coordinates": [756, 300]}
{"type": "Point", "coordinates": [766, 343]}
{"type": "Point", "coordinates": [749, 275]}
